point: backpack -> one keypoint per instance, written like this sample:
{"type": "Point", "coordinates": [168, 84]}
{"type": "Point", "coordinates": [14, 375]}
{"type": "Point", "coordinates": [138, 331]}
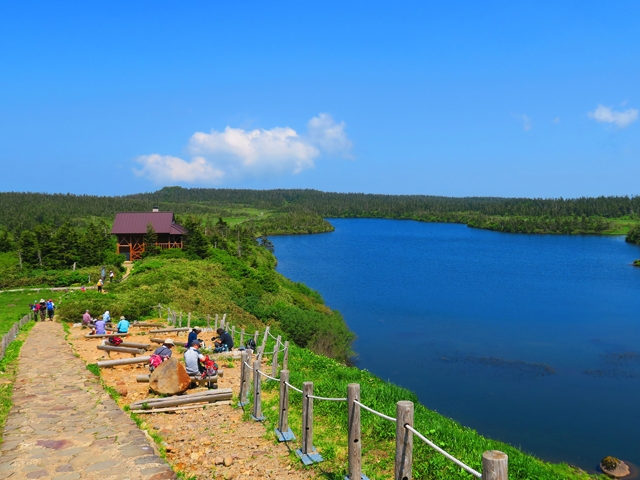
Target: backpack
{"type": "Point", "coordinates": [251, 344]}
{"type": "Point", "coordinates": [154, 361]}
{"type": "Point", "coordinates": [50, 305]}
{"type": "Point", "coordinates": [115, 341]}
{"type": "Point", "coordinates": [210, 367]}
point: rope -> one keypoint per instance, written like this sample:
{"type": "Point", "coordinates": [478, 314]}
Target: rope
{"type": "Point", "coordinates": [271, 335]}
{"type": "Point", "coordinates": [270, 378]}
{"type": "Point", "coordinates": [438, 449]}
{"type": "Point", "coordinates": [326, 398]}
{"type": "Point", "coordinates": [381, 415]}
{"type": "Point", "coordinates": [291, 386]}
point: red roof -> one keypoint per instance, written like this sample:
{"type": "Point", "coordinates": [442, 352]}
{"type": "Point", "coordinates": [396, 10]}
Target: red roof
{"type": "Point", "coordinates": [136, 223]}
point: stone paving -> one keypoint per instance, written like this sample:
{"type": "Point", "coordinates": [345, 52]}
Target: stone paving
{"type": "Point", "coordinates": [64, 426]}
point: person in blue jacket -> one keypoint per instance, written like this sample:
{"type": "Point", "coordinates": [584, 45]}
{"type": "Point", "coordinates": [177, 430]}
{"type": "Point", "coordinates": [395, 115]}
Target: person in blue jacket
{"type": "Point", "coordinates": [123, 325]}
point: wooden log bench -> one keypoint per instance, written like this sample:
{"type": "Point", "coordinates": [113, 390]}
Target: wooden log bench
{"type": "Point", "coordinates": [206, 396]}
{"type": "Point", "coordinates": [195, 379]}
{"type": "Point", "coordinates": [170, 330]}
{"type": "Point", "coordinates": [161, 341]}
{"type": "Point", "coordinates": [121, 349]}
{"type": "Point", "coordinates": [105, 335]}
{"type": "Point", "coordinates": [123, 361]}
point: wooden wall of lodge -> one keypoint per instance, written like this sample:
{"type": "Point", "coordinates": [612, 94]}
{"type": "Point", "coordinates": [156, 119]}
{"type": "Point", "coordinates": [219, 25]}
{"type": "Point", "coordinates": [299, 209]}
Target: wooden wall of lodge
{"type": "Point", "coordinates": [135, 244]}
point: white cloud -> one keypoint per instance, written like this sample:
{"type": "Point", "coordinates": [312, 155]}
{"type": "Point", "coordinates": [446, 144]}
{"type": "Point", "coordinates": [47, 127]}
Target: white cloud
{"type": "Point", "coordinates": [623, 119]}
{"type": "Point", "coordinates": [161, 168]}
{"type": "Point", "coordinates": [526, 121]}
{"type": "Point", "coordinates": [236, 153]}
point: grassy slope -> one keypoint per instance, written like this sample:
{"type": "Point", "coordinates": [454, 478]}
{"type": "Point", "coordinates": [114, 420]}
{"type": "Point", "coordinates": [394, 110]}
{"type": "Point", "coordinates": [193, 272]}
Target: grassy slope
{"type": "Point", "coordinates": [211, 287]}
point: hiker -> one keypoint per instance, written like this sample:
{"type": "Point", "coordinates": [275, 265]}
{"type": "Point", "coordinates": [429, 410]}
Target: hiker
{"type": "Point", "coordinates": [86, 318]}
{"type": "Point", "coordinates": [193, 335]}
{"type": "Point", "coordinates": [36, 309]}
{"type": "Point", "coordinates": [99, 327]}
{"type": "Point", "coordinates": [192, 359]}
{"type": "Point", "coordinates": [123, 325]}
{"type": "Point", "coordinates": [100, 284]}
{"type": "Point", "coordinates": [224, 342]}
{"type": "Point", "coordinates": [164, 350]}
{"type": "Point", "coordinates": [106, 316]}
{"type": "Point", "coordinates": [51, 308]}
{"type": "Point", "coordinates": [42, 309]}
{"type": "Point", "coordinates": [111, 275]}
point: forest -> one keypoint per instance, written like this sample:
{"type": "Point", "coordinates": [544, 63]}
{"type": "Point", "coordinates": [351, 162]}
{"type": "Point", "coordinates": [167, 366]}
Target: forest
{"type": "Point", "coordinates": [57, 230]}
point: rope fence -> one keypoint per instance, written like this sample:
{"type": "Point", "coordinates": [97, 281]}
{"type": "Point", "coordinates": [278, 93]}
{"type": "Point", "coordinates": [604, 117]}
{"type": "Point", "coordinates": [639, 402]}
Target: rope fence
{"type": "Point", "coordinates": [494, 463]}
{"type": "Point", "coordinates": [13, 332]}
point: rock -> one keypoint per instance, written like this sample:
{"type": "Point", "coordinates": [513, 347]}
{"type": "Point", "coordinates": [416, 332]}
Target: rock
{"type": "Point", "coordinates": [122, 391]}
{"type": "Point", "coordinates": [170, 378]}
{"type": "Point", "coordinates": [614, 467]}
{"type": "Point", "coordinates": [218, 461]}
{"type": "Point", "coordinates": [228, 461]}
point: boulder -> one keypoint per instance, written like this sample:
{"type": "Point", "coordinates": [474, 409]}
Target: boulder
{"type": "Point", "coordinates": [169, 378]}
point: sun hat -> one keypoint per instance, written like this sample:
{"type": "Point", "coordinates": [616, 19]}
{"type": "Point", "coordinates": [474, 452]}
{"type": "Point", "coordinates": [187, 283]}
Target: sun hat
{"type": "Point", "coordinates": [42, 300]}
{"type": "Point", "coordinates": [122, 318]}
{"type": "Point", "coordinates": [197, 329]}
{"type": "Point", "coordinates": [169, 341]}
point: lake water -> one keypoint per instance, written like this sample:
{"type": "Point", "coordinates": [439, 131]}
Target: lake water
{"type": "Point", "coordinates": [530, 339]}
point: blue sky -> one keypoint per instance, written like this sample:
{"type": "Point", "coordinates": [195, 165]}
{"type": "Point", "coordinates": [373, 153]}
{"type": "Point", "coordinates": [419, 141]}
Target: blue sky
{"type": "Point", "coordinates": [445, 98]}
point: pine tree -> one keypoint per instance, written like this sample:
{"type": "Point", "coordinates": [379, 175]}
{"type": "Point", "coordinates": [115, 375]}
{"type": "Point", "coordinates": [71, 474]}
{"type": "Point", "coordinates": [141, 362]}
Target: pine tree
{"type": "Point", "coordinates": [196, 244]}
{"type": "Point", "coordinates": [150, 240]}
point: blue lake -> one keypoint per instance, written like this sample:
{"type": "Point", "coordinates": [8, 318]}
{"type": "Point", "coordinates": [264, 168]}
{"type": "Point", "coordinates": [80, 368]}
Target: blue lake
{"type": "Point", "coordinates": [530, 339]}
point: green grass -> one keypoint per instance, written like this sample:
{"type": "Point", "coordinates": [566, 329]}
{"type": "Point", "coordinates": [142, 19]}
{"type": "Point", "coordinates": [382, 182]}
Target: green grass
{"type": "Point", "coordinates": [8, 371]}
{"type": "Point", "coordinates": [621, 226]}
{"type": "Point", "coordinates": [14, 306]}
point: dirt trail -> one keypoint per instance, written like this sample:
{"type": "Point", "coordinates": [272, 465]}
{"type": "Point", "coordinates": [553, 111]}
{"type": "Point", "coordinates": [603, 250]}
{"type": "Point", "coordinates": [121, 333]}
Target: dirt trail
{"type": "Point", "coordinates": [64, 426]}
{"type": "Point", "coordinates": [197, 437]}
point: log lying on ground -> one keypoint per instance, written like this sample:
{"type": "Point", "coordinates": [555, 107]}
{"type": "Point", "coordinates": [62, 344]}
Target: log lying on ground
{"type": "Point", "coordinates": [145, 379]}
{"type": "Point", "coordinates": [132, 351]}
{"type": "Point", "coordinates": [177, 400]}
{"type": "Point", "coordinates": [103, 335]}
{"type": "Point", "coordinates": [123, 361]}
{"type": "Point", "coordinates": [187, 407]}
{"type": "Point", "coordinates": [161, 341]}
{"type": "Point", "coordinates": [144, 324]}
{"type": "Point", "coordinates": [144, 346]}
{"type": "Point", "coordinates": [170, 330]}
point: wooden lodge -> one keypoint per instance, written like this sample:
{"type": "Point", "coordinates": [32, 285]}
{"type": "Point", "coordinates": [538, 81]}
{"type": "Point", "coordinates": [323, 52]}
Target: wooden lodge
{"type": "Point", "coordinates": [131, 227]}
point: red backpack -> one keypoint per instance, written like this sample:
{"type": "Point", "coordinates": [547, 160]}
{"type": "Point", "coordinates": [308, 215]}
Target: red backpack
{"type": "Point", "coordinates": [115, 341]}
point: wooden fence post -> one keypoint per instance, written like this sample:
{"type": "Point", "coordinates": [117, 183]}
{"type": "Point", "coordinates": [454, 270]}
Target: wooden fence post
{"type": "Point", "coordinates": [233, 333]}
{"type": "Point", "coordinates": [189, 320]}
{"type": "Point", "coordinates": [216, 325]}
{"type": "Point", "coordinates": [257, 399]}
{"type": "Point", "coordinates": [255, 337]}
{"type": "Point", "coordinates": [274, 360]}
{"type": "Point", "coordinates": [223, 322]}
{"type": "Point", "coordinates": [404, 440]}
{"type": "Point", "coordinates": [283, 432]}
{"type": "Point", "coordinates": [264, 337]}
{"type": "Point", "coordinates": [180, 320]}
{"type": "Point", "coordinates": [244, 378]}
{"type": "Point", "coordinates": [208, 322]}
{"type": "Point", "coordinates": [285, 356]}
{"type": "Point", "coordinates": [307, 452]}
{"type": "Point", "coordinates": [242, 337]}
{"type": "Point", "coordinates": [495, 465]}
{"type": "Point", "coordinates": [355, 444]}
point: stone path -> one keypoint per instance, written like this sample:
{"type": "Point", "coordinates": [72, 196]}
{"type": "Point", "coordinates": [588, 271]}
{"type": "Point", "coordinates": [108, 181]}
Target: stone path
{"type": "Point", "coordinates": [64, 426]}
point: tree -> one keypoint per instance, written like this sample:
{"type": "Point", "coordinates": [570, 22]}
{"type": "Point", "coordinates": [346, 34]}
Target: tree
{"type": "Point", "coordinates": [266, 243]}
{"type": "Point", "coordinates": [196, 244]}
{"type": "Point", "coordinates": [28, 248]}
{"type": "Point", "coordinates": [150, 241]}
{"type": "Point", "coordinates": [634, 234]}
{"type": "Point", "coordinates": [64, 247]}
{"type": "Point", "coordinates": [6, 244]}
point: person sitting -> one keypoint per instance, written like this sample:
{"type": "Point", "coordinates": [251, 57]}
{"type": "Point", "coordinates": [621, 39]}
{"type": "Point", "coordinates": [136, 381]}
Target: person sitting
{"type": "Point", "coordinates": [123, 325]}
{"type": "Point", "coordinates": [224, 342]}
{"type": "Point", "coordinates": [100, 327]}
{"type": "Point", "coordinates": [164, 350]}
{"type": "Point", "coordinates": [107, 316]}
{"type": "Point", "coordinates": [192, 359]}
{"type": "Point", "coordinates": [193, 335]}
{"type": "Point", "coordinates": [86, 318]}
